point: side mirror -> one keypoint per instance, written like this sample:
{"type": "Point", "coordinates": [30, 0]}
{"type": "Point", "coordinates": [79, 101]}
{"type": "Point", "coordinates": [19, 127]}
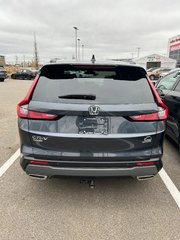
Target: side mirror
{"type": "Point", "coordinates": [160, 92]}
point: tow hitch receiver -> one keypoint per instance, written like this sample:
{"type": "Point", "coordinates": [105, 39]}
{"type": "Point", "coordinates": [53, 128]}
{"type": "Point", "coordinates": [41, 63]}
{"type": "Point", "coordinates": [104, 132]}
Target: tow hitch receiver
{"type": "Point", "coordinates": [89, 181]}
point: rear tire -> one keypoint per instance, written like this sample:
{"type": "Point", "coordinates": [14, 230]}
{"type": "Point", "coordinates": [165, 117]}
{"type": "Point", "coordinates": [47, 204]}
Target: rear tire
{"type": "Point", "coordinates": [152, 77]}
{"type": "Point", "coordinates": [1, 80]}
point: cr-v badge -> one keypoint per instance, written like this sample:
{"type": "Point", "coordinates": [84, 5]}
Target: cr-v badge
{"type": "Point", "coordinates": [39, 138]}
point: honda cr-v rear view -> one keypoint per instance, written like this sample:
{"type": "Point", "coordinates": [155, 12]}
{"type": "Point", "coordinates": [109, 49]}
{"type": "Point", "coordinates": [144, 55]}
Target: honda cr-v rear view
{"type": "Point", "coordinates": [91, 120]}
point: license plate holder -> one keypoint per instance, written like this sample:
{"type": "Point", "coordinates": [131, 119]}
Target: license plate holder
{"type": "Point", "coordinates": [93, 125]}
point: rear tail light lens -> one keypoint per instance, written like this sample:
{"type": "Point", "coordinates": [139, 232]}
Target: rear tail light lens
{"type": "Point", "coordinates": [163, 109]}
{"type": "Point", "coordinates": [23, 112]}
{"type": "Point", "coordinates": [162, 113]}
{"type": "Point", "coordinates": [39, 115]}
{"type": "Point", "coordinates": [38, 162]}
{"type": "Point", "coordinates": [22, 107]}
{"type": "Point", "coordinates": [145, 117]}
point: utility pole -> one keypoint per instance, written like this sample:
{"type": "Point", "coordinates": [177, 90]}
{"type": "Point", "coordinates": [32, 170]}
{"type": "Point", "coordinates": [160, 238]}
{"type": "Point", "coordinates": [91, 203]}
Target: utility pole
{"type": "Point", "coordinates": [35, 52]}
{"type": "Point", "coordinates": [24, 61]}
{"type": "Point", "coordinates": [82, 52]}
{"type": "Point", "coordinates": [138, 49]}
{"type": "Point", "coordinates": [76, 29]}
{"type": "Point", "coordinates": [16, 60]}
{"type": "Point", "coordinates": [79, 48]}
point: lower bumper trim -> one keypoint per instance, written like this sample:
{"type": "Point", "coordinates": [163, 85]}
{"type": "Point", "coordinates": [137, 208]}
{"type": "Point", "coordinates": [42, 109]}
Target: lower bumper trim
{"type": "Point", "coordinates": [50, 171]}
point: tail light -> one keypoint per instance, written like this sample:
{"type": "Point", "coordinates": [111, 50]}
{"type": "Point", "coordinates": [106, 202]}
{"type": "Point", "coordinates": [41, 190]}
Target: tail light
{"type": "Point", "coordinates": [22, 107]}
{"type": "Point", "coordinates": [162, 113]}
{"type": "Point", "coordinates": [23, 112]}
{"type": "Point", "coordinates": [39, 115]}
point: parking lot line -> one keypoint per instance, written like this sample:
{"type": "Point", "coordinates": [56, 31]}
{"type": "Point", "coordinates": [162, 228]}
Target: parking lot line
{"type": "Point", "coordinates": [170, 186]}
{"type": "Point", "coordinates": [9, 162]}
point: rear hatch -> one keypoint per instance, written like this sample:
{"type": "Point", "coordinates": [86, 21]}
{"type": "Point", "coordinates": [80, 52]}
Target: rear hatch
{"type": "Point", "coordinates": [92, 111]}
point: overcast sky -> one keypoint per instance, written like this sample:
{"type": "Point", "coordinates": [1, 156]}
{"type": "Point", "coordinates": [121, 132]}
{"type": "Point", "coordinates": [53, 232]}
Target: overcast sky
{"type": "Point", "coordinates": [108, 28]}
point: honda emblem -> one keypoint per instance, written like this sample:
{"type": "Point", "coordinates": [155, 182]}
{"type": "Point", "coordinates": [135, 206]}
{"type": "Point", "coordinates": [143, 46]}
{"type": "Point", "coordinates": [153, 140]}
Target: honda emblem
{"type": "Point", "coordinates": [94, 110]}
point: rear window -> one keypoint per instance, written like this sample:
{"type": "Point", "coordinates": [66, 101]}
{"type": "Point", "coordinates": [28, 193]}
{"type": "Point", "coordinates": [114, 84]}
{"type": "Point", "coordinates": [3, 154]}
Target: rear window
{"type": "Point", "coordinates": [168, 81]}
{"type": "Point", "coordinates": [93, 84]}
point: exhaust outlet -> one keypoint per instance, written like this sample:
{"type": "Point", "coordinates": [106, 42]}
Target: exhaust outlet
{"type": "Point", "coordinates": [39, 177]}
{"type": "Point", "coordinates": [146, 177]}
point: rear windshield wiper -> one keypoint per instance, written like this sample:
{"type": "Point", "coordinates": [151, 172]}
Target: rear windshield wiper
{"type": "Point", "coordinates": [79, 96]}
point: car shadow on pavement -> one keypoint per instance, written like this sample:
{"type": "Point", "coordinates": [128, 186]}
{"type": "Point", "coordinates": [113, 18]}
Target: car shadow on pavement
{"type": "Point", "coordinates": [172, 144]}
{"type": "Point", "coordinates": [109, 191]}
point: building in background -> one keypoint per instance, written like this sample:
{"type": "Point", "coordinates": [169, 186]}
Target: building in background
{"type": "Point", "coordinates": [155, 60]}
{"type": "Point", "coordinates": [2, 61]}
{"type": "Point", "coordinates": [174, 49]}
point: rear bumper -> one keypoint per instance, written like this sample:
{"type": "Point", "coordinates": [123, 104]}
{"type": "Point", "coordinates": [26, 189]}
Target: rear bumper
{"type": "Point", "coordinates": [3, 76]}
{"type": "Point", "coordinates": [51, 171]}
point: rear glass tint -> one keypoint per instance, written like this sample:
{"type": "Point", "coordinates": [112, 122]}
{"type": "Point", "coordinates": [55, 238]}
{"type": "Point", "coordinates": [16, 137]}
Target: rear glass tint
{"type": "Point", "coordinates": [93, 84]}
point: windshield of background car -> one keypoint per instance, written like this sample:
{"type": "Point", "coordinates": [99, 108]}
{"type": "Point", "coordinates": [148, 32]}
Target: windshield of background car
{"type": "Point", "coordinates": [177, 89]}
{"type": "Point", "coordinates": [165, 70]}
{"type": "Point", "coordinates": [168, 81]}
{"type": "Point", "coordinates": [107, 84]}
{"type": "Point", "coordinates": [151, 69]}
{"type": "Point", "coordinates": [156, 70]}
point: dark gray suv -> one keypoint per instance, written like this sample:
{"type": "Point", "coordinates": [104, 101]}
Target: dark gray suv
{"type": "Point", "coordinates": [91, 120]}
{"type": "Point", "coordinates": [3, 74]}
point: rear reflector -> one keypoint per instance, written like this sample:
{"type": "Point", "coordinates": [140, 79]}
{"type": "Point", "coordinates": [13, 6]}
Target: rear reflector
{"type": "Point", "coordinates": [38, 162]}
{"type": "Point", "coordinates": [144, 163]}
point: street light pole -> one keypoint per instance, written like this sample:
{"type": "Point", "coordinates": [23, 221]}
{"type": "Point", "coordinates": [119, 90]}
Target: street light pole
{"type": "Point", "coordinates": [138, 48]}
{"type": "Point", "coordinates": [79, 46]}
{"type": "Point", "coordinates": [82, 52]}
{"type": "Point", "coordinates": [76, 29]}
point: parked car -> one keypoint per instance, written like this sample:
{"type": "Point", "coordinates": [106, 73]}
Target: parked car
{"type": "Point", "coordinates": [91, 120]}
{"type": "Point", "coordinates": [24, 74]}
{"type": "Point", "coordinates": [3, 74]}
{"type": "Point", "coordinates": [153, 74]}
{"type": "Point", "coordinates": [156, 73]}
{"type": "Point", "coordinates": [169, 90]}
{"type": "Point", "coordinates": [151, 69]}
{"type": "Point", "coordinates": [164, 71]}
{"type": "Point", "coordinates": [174, 70]}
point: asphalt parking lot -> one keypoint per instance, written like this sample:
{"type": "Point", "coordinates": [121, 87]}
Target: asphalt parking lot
{"type": "Point", "coordinates": [65, 209]}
